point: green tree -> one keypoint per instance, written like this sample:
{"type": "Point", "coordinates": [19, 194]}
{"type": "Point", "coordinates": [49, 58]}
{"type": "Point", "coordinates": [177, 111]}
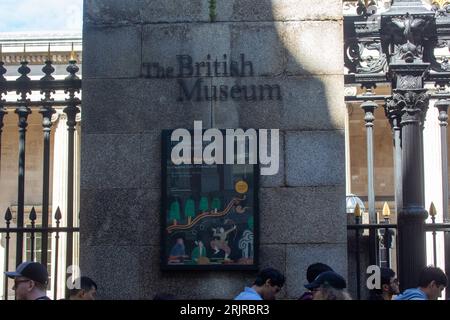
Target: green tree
{"type": "Point", "coordinates": [174, 212]}
{"type": "Point", "coordinates": [203, 206]}
{"type": "Point", "coordinates": [215, 204]}
{"type": "Point", "coordinates": [189, 209]}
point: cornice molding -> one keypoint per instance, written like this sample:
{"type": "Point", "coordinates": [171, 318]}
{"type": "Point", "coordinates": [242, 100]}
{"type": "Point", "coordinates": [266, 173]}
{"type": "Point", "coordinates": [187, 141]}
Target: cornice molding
{"type": "Point", "coordinates": [39, 58]}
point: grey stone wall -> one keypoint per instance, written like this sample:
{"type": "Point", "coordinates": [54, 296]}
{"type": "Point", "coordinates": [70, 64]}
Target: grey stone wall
{"type": "Point", "coordinates": [294, 43]}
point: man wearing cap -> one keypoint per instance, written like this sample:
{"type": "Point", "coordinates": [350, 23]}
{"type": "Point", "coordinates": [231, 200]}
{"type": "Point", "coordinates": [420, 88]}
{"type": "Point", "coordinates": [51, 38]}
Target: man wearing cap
{"type": "Point", "coordinates": [329, 285]}
{"type": "Point", "coordinates": [311, 274]}
{"type": "Point", "coordinates": [30, 281]}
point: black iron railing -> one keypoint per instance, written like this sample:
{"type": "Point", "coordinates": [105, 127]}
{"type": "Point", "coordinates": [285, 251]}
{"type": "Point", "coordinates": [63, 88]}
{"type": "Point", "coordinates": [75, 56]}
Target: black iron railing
{"type": "Point", "coordinates": [9, 232]}
{"type": "Point", "coordinates": [385, 234]}
{"type": "Point", "coordinates": [396, 50]}
{"type": "Point", "coordinates": [22, 88]}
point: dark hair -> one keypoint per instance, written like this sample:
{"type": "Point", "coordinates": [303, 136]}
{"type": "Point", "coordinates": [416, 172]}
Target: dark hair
{"type": "Point", "coordinates": [315, 269]}
{"type": "Point", "coordinates": [386, 275]}
{"type": "Point", "coordinates": [276, 277]}
{"type": "Point", "coordinates": [385, 278]}
{"type": "Point", "coordinates": [431, 273]}
{"type": "Point", "coordinates": [86, 284]}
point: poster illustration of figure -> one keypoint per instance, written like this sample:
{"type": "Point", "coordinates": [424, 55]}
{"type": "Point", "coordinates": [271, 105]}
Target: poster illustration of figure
{"type": "Point", "coordinates": [178, 252]}
{"type": "Point", "coordinates": [221, 243]}
{"type": "Point", "coordinates": [199, 253]}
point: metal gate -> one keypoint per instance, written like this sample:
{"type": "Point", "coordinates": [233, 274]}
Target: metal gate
{"type": "Point", "coordinates": [397, 51]}
{"type": "Point", "coordinates": [25, 236]}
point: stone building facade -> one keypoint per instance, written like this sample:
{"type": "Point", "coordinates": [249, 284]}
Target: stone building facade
{"type": "Point", "coordinates": [296, 45]}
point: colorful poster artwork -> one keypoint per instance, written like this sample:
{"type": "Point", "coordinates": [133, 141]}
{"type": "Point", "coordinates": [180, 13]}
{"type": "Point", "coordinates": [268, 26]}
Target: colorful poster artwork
{"type": "Point", "coordinates": [209, 215]}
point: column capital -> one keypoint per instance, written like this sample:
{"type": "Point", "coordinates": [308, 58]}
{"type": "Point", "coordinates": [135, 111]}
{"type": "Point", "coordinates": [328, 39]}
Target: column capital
{"type": "Point", "coordinates": [408, 76]}
{"type": "Point", "coordinates": [410, 105]}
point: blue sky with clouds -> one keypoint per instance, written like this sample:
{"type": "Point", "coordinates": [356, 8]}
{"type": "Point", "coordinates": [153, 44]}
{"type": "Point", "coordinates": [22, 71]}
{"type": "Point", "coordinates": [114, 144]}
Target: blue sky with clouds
{"type": "Point", "coordinates": [41, 15]}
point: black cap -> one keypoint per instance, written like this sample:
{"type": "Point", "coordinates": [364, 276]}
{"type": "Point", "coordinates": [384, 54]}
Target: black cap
{"type": "Point", "coordinates": [31, 270]}
{"type": "Point", "coordinates": [315, 269]}
{"type": "Point", "coordinates": [329, 278]}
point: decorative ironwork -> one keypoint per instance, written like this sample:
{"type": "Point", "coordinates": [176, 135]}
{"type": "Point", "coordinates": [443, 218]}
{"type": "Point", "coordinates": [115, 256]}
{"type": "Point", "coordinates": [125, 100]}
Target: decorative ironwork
{"type": "Point", "coordinates": [32, 218]}
{"type": "Point", "coordinates": [22, 111]}
{"type": "Point", "coordinates": [47, 111]}
{"type": "Point", "coordinates": [357, 61]}
{"type": "Point", "coordinates": [405, 35]}
{"type": "Point", "coordinates": [441, 6]}
{"type": "Point", "coordinates": [25, 103]}
{"type": "Point", "coordinates": [409, 104]}
{"type": "Point", "coordinates": [8, 218]}
{"type": "Point", "coordinates": [71, 111]}
{"type": "Point", "coordinates": [393, 112]}
{"type": "Point", "coordinates": [389, 237]}
{"type": "Point", "coordinates": [2, 72]}
{"type": "Point", "coordinates": [48, 70]}
{"type": "Point", "coordinates": [406, 47]}
{"type": "Point", "coordinates": [365, 7]}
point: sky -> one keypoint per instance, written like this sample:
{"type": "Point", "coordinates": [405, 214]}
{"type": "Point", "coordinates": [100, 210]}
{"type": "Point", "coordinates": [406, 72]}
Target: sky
{"type": "Point", "coordinates": [41, 15]}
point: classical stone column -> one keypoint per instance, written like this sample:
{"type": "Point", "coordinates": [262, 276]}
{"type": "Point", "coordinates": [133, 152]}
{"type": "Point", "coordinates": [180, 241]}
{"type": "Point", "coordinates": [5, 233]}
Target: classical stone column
{"type": "Point", "coordinates": [76, 197]}
{"type": "Point", "coordinates": [349, 91]}
{"type": "Point", "coordinates": [433, 179]}
{"type": "Point", "coordinates": [59, 196]}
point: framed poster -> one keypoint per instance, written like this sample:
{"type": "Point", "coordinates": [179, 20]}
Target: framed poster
{"type": "Point", "coordinates": [209, 214]}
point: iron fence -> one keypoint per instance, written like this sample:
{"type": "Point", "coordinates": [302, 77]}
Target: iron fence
{"type": "Point", "coordinates": [385, 243]}
{"type": "Point", "coordinates": [14, 225]}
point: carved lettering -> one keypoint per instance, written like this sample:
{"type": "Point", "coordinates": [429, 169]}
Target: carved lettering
{"type": "Point", "coordinates": [198, 89]}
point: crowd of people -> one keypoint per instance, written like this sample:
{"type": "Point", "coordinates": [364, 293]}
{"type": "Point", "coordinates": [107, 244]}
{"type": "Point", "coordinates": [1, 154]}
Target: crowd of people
{"type": "Point", "coordinates": [31, 280]}
{"type": "Point", "coordinates": [326, 284]}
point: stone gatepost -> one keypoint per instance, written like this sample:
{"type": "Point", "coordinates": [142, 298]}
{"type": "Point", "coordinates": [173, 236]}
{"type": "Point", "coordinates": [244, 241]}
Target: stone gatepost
{"type": "Point", "coordinates": [130, 94]}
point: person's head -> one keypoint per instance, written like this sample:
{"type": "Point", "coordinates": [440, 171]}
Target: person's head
{"type": "Point", "coordinates": [315, 269]}
{"type": "Point", "coordinates": [30, 280]}
{"type": "Point", "coordinates": [388, 283]}
{"type": "Point", "coordinates": [269, 282]}
{"type": "Point", "coordinates": [329, 286]}
{"type": "Point", "coordinates": [432, 281]}
{"type": "Point", "coordinates": [84, 289]}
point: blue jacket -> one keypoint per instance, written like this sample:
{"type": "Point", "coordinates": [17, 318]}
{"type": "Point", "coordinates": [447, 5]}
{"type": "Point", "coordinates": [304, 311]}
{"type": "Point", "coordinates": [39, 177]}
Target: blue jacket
{"type": "Point", "coordinates": [248, 294]}
{"type": "Point", "coordinates": [412, 294]}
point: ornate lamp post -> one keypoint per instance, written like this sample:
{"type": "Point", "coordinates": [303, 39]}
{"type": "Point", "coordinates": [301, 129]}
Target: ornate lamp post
{"type": "Point", "coordinates": [403, 38]}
